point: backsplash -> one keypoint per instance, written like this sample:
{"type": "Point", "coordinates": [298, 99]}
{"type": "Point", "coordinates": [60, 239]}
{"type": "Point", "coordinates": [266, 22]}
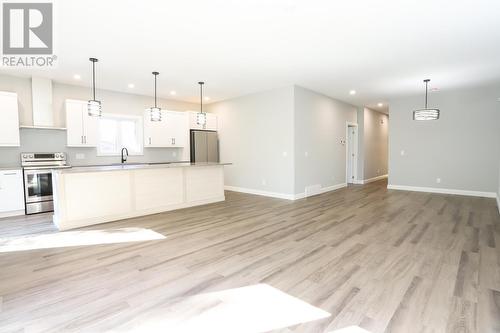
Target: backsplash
{"type": "Point", "coordinates": [42, 140]}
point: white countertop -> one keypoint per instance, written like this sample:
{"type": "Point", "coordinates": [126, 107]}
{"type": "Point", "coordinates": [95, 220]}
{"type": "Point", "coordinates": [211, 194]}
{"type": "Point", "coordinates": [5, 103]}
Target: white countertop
{"type": "Point", "coordinates": [132, 166]}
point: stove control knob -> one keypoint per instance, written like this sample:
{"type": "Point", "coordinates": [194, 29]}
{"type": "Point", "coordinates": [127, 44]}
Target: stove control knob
{"type": "Point", "coordinates": [25, 156]}
{"type": "Point", "coordinates": [57, 155]}
{"type": "Point", "coordinates": [31, 156]}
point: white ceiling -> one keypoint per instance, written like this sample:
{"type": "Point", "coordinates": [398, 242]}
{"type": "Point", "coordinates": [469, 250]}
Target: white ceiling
{"type": "Point", "coordinates": [381, 49]}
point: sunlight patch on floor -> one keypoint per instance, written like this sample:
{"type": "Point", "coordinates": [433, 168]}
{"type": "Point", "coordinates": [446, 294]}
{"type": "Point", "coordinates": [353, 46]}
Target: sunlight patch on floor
{"type": "Point", "coordinates": [77, 238]}
{"type": "Point", "coordinates": [252, 309]}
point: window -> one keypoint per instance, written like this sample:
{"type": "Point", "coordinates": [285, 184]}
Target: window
{"type": "Point", "coordinates": [117, 132]}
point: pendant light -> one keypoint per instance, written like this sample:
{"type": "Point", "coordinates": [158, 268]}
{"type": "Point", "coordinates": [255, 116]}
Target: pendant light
{"type": "Point", "coordinates": [426, 113]}
{"type": "Point", "coordinates": [94, 107]}
{"type": "Point", "coordinates": [155, 111]}
{"type": "Point", "coordinates": [201, 117]}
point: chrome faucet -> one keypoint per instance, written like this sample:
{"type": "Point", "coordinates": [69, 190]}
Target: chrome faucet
{"type": "Point", "coordinates": [124, 159]}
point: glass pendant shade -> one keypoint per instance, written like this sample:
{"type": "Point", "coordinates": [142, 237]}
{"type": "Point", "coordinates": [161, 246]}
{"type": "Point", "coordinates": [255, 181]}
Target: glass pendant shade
{"type": "Point", "coordinates": [94, 108]}
{"type": "Point", "coordinates": [155, 113]}
{"type": "Point", "coordinates": [426, 114]}
{"type": "Point", "coordinates": [201, 118]}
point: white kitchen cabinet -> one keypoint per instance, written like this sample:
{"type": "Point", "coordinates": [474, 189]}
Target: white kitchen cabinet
{"type": "Point", "coordinates": [81, 128]}
{"type": "Point", "coordinates": [11, 192]}
{"type": "Point", "coordinates": [9, 120]}
{"type": "Point", "coordinates": [211, 124]}
{"type": "Point", "coordinates": [171, 131]}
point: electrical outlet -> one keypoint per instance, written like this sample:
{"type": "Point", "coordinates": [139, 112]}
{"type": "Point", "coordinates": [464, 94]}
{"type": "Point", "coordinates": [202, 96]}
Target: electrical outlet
{"type": "Point", "coordinates": [80, 156]}
{"type": "Point", "coordinates": [285, 154]}
{"type": "Point", "coordinates": [403, 152]}
{"type": "Point", "coordinates": [264, 182]}
{"type": "Point", "coordinates": [438, 180]}
{"type": "Point", "coordinates": [306, 154]}
{"type": "Point", "coordinates": [174, 153]}
{"type": "Point", "coordinates": [378, 171]}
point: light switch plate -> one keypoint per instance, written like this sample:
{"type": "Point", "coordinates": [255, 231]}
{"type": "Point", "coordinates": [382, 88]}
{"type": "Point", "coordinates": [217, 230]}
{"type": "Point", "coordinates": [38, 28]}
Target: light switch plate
{"type": "Point", "coordinates": [403, 152]}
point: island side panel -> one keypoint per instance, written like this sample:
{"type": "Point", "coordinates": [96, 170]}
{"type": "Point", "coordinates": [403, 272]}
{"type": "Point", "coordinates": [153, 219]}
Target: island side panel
{"type": "Point", "coordinates": [204, 184]}
{"type": "Point", "coordinates": [158, 190]}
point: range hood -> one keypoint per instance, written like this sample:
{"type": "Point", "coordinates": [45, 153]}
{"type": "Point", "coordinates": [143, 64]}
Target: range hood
{"type": "Point", "coordinates": [41, 98]}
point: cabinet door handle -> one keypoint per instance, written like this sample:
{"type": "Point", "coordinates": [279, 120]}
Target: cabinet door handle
{"type": "Point", "coordinates": [150, 140]}
{"type": "Point", "coordinates": [10, 174]}
{"type": "Point", "coordinates": [82, 139]}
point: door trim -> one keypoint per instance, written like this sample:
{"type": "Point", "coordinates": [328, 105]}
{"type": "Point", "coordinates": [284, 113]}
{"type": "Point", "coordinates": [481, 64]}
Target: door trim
{"type": "Point", "coordinates": [355, 179]}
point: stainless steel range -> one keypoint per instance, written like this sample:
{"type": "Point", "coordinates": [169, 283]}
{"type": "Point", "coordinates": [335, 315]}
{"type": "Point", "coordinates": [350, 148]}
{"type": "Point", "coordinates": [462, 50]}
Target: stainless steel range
{"type": "Point", "coordinates": [37, 170]}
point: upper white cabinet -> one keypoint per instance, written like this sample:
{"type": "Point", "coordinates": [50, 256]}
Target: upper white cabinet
{"type": "Point", "coordinates": [9, 120]}
{"type": "Point", "coordinates": [171, 131]}
{"type": "Point", "coordinates": [81, 128]}
{"type": "Point", "coordinates": [211, 124]}
{"type": "Point", "coordinates": [11, 191]}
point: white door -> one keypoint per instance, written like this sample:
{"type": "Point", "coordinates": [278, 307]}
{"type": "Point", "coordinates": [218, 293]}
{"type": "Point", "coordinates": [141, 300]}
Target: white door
{"type": "Point", "coordinates": [351, 154]}
{"type": "Point", "coordinates": [9, 119]}
{"type": "Point", "coordinates": [74, 123]}
{"type": "Point", "coordinates": [90, 129]}
{"type": "Point", "coordinates": [177, 129]}
{"type": "Point", "coordinates": [11, 190]}
{"type": "Point", "coordinates": [155, 131]}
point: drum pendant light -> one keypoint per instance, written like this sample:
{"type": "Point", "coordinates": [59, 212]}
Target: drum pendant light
{"type": "Point", "coordinates": [94, 107]}
{"type": "Point", "coordinates": [426, 113]}
{"type": "Point", "coordinates": [201, 117]}
{"type": "Point", "coordinates": [155, 111]}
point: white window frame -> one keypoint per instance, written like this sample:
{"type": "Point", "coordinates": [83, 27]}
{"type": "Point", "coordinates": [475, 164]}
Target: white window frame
{"type": "Point", "coordinates": [140, 133]}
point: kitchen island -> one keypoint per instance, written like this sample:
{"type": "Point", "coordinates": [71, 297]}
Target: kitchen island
{"type": "Point", "coordinates": [91, 195]}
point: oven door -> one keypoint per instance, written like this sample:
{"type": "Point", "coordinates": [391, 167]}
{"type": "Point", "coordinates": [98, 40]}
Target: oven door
{"type": "Point", "coordinates": [37, 185]}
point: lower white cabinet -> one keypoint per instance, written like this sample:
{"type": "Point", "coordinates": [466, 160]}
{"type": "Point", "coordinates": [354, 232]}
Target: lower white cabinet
{"type": "Point", "coordinates": [9, 120]}
{"type": "Point", "coordinates": [11, 191]}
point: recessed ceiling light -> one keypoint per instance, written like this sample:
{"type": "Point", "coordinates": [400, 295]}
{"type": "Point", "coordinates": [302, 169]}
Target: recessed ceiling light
{"type": "Point", "coordinates": [207, 98]}
{"type": "Point", "coordinates": [380, 105]}
{"type": "Point", "coordinates": [77, 77]}
{"type": "Point", "coordinates": [352, 92]}
{"type": "Point", "coordinates": [173, 93]}
{"type": "Point", "coordinates": [131, 85]}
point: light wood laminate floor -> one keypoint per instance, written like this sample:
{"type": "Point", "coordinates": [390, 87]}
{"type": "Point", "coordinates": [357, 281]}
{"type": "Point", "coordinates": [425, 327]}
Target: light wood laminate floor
{"type": "Point", "coordinates": [385, 261]}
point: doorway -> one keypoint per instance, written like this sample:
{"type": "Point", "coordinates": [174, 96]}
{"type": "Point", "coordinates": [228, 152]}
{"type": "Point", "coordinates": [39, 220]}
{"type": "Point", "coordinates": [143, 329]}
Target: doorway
{"type": "Point", "coordinates": [351, 152]}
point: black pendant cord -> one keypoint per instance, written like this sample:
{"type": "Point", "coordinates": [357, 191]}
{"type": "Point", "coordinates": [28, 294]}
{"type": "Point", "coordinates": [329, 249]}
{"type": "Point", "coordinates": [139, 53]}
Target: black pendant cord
{"type": "Point", "coordinates": [93, 60]}
{"type": "Point", "coordinates": [155, 74]}
{"type": "Point", "coordinates": [201, 96]}
{"type": "Point", "coordinates": [426, 84]}
{"type": "Point", "coordinates": [93, 79]}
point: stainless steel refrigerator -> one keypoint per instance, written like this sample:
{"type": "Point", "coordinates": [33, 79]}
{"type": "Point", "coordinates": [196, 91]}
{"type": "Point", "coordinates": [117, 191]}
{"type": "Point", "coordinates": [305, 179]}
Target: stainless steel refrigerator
{"type": "Point", "coordinates": [204, 146]}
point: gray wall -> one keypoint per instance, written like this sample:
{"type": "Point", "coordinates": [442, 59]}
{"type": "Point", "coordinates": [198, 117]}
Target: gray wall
{"type": "Point", "coordinates": [36, 140]}
{"type": "Point", "coordinates": [375, 143]}
{"type": "Point", "coordinates": [255, 132]}
{"type": "Point", "coordinates": [462, 147]}
{"type": "Point", "coordinates": [320, 124]}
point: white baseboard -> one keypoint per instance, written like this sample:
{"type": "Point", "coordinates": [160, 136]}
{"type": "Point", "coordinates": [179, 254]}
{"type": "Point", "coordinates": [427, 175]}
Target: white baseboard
{"type": "Point", "coordinates": [374, 179]}
{"type": "Point", "coordinates": [498, 202]}
{"type": "Point", "coordinates": [442, 191]}
{"type": "Point", "coordinates": [321, 191]}
{"type": "Point", "coordinates": [260, 192]}
{"type": "Point", "coordinates": [12, 213]}
{"type": "Point", "coordinates": [283, 195]}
